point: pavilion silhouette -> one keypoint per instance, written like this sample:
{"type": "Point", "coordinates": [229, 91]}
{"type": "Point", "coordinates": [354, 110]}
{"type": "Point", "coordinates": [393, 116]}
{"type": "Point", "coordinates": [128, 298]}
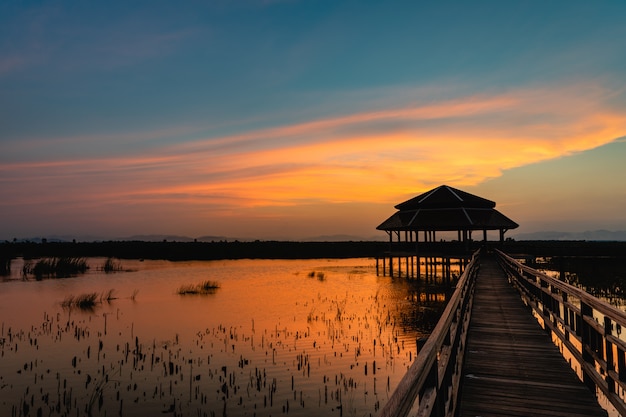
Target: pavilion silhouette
{"type": "Point", "coordinates": [442, 209]}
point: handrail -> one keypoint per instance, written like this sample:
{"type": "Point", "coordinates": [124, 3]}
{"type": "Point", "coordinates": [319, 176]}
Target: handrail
{"type": "Point", "coordinates": [573, 315]}
{"type": "Point", "coordinates": [435, 375]}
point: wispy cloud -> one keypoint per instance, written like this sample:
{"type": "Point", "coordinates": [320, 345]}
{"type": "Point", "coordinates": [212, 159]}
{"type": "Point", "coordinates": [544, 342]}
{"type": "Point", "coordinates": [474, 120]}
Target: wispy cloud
{"type": "Point", "coordinates": [127, 43]}
{"type": "Point", "coordinates": [9, 64]}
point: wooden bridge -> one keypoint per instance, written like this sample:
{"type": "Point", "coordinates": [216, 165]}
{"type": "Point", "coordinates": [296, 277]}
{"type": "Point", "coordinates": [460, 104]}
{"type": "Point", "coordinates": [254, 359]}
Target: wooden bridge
{"type": "Point", "coordinates": [501, 345]}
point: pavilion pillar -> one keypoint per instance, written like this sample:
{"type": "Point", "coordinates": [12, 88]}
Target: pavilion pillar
{"type": "Point", "coordinates": [390, 253]}
{"type": "Point", "coordinates": [399, 235]}
{"type": "Point", "coordinates": [399, 259]}
{"type": "Point", "coordinates": [406, 255]}
{"type": "Point", "coordinates": [466, 239]}
{"type": "Point", "coordinates": [417, 254]}
{"type": "Point", "coordinates": [411, 255]}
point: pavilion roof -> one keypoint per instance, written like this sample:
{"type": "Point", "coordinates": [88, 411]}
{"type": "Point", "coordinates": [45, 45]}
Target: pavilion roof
{"type": "Point", "coordinates": [446, 209]}
{"type": "Point", "coordinates": [445, 197]}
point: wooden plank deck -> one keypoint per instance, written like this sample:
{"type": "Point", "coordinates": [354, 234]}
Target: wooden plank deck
{"type": "Point", "coordinates": [511, 366]}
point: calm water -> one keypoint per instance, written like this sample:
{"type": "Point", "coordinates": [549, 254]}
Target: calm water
{"type": "Point", "coordinates": [271, 340]}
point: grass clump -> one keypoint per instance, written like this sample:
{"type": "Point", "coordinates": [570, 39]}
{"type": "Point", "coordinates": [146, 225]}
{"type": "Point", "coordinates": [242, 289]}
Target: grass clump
{"type": "Point", "coordinates": [83, 302]}
{"type": "Point", "coordinates": [319, 275]}
{"type": "Point", "coordinates": [89, 301]}
{"type": "Point", "coordinates": [63, 267]}
{"type": "Point", "coordinates": [205, 287]}
{"type": "Point", "coordinates": [111, 265]}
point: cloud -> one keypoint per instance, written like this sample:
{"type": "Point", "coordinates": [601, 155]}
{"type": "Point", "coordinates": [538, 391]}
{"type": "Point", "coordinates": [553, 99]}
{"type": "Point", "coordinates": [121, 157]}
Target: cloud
{"type": "Point", "coordinates": [61, 39]}
{"type": "Point", "coordinates": [378, 156]}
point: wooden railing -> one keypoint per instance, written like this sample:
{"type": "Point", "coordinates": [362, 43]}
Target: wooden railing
{"type": "Point", "coordinates": [431, 385]}
{"type": "Point", "coordinates": [589, 328]}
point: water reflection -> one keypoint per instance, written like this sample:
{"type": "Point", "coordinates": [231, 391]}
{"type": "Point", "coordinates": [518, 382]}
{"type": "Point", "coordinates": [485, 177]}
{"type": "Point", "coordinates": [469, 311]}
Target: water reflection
{"type": "Point", "coordinates": [272, 339]}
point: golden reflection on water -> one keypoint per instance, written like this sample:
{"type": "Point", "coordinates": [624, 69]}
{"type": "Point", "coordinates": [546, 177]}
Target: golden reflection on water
{"type": "Point", "coordinates": [312, 337]}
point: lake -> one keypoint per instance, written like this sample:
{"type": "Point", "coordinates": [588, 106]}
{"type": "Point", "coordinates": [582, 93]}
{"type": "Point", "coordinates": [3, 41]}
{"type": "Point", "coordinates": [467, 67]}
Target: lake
{"type": "Point", "coordinates": [297, 337]}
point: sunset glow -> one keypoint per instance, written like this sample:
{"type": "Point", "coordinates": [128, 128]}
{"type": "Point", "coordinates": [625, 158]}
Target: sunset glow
{"type": "Point", "coordinates": [330, 160]}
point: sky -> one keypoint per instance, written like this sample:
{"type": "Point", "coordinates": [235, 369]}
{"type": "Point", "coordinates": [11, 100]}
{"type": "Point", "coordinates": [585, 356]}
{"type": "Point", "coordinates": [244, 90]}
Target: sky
{"type": "Point", "coordinates": [292, 119]}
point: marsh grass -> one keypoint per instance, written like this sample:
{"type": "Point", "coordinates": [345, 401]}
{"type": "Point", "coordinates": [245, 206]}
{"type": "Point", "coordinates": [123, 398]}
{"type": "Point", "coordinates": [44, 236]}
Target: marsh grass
{"type": "Point", "coordinates": [111, 265]}
{"type": "Point", "coordinates": [205, 287]}
{"type": "Point", "coordinates": [63, 267]}
{"type": "Point", "coordinates": [132, 360]}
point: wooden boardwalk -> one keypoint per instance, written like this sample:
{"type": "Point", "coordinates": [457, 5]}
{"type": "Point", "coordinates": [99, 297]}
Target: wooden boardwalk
{"type": "Point", "coordinates": [511, 367]}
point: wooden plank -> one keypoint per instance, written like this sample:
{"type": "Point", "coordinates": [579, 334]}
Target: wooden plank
{"type": "Point", "coordinates": [511, 367]}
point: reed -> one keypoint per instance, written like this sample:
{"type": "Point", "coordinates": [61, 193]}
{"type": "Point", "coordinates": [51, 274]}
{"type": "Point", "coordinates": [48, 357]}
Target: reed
{"type": "Point", "coordinates": [97, 394]}
{"type": "Point", "coordinates": [205, 287]}
{"type": "Point", "coordinates": [108, 296]}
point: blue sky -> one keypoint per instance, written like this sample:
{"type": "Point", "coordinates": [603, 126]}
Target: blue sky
{"type": "Point", "coordinates": [289, 119]}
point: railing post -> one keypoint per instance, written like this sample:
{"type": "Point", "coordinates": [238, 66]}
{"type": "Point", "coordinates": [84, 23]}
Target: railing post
{"type": "Point", "coordinates": [566, 316]}
{"type": "Point", "coordinates": [565, 309]}
{"type": "Point", "coordinates": [608, 354]}
{"type": "Point", "coordinates": [432, 382]}
{"type": "Point", "coordinates": [586, 338]}
{"type": "Point", "coordinates": [621, 364]}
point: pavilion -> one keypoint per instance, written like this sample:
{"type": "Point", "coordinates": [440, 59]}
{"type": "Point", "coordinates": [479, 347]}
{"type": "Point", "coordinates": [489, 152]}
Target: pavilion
{"type": "Point", "coordinates": [447, 209]}
{"type": "Point", "coordinates": [444, 209]}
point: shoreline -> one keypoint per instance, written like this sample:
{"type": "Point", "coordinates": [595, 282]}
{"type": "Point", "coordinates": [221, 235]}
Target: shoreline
{"type": "Point", "coordinates": [180, 251]}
